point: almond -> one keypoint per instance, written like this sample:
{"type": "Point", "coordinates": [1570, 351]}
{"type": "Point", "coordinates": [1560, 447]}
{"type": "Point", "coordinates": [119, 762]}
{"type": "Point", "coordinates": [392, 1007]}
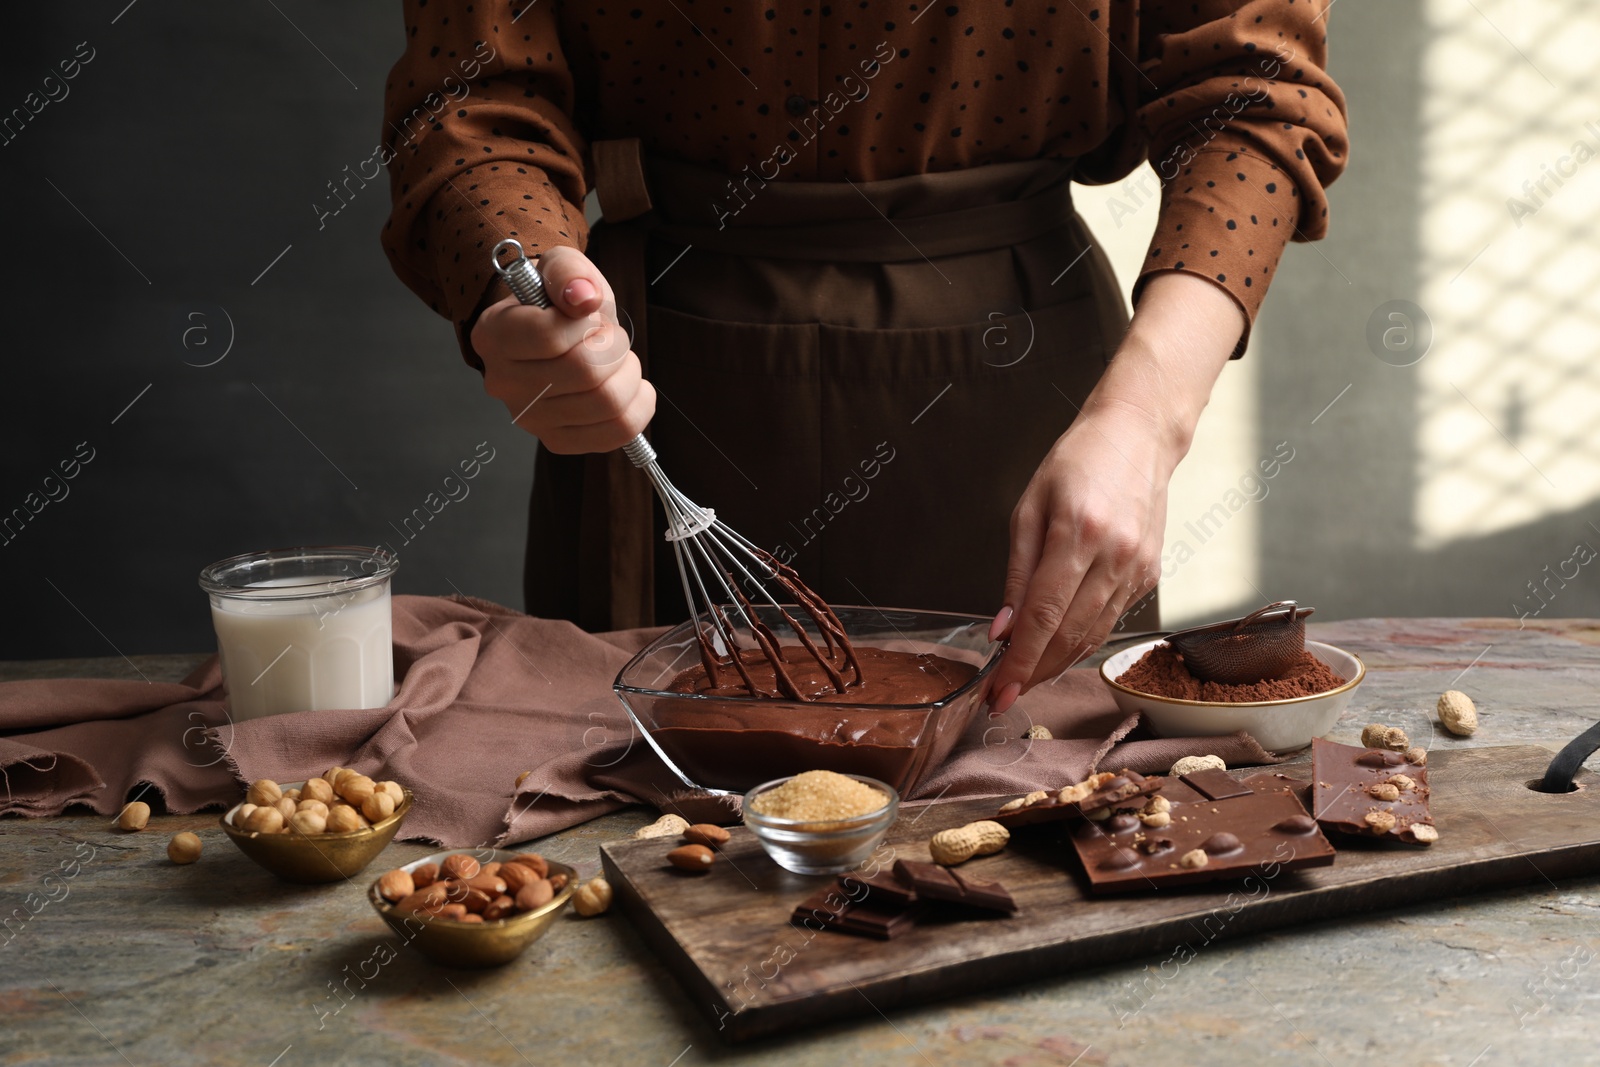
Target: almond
{"type": "Point", "coordinates": [458, 865]}
{"type": "Point", "coordinates": [702, 833]}
{"type": "Point", "coordinates": [535, 894]}
{"type": "Point", "coordinates": [396, 885]}
{"type": "Point", "coordinates": [425, 874]}
{"type": "Point", "coordinates": [691, 858]}
{"type": "Point", "coordinates": [533, 861]}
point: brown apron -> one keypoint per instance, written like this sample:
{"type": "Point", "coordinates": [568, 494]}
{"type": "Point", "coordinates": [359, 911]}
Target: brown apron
{"type": "Point", "coordinates": [859, 377]}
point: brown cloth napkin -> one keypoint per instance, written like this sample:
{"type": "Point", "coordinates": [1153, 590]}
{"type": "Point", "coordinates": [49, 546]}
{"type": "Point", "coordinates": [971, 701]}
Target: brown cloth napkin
{"type": "Point", "coordinates": [486, 693]}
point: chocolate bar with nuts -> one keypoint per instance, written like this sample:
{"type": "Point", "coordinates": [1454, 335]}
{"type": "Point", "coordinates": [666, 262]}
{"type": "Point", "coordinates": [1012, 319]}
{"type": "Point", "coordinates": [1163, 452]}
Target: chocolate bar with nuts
{"type": "Point", "coordinates": [1262, 832]}
{"type": "Point", "coordinates": [1099, 792]}
{"type": "Point", "coordinates": [1373, 792]}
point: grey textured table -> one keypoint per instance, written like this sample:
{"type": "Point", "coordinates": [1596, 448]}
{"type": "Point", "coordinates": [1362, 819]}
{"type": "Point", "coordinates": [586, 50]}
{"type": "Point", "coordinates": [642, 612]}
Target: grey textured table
{"type": "Point", "coordinates": [140, 962]}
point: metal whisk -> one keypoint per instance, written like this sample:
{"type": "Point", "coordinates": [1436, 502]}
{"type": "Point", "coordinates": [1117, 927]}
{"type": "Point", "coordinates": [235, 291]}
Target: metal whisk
{"type": "Point", "coordinates": [739, 572]}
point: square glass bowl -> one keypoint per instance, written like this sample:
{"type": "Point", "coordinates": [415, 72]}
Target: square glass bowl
{"type": "Point", "coordinates": [724, 744]}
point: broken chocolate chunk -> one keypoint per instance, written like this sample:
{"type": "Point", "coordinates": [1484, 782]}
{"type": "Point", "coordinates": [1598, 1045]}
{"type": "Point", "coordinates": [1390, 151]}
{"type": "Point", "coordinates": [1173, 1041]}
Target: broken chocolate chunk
{"type": "Point", "coordinates": [1370, 792]}
{"type": "Point", "coordinates": [933, 882]}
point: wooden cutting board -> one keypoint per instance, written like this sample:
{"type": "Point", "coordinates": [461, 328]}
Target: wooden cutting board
{"type": "Point", "coordinates": [726, 934]}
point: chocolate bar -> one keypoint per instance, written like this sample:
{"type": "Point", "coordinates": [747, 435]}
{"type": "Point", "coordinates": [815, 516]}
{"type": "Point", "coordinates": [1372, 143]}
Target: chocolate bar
{"type": "Point", "coordinates": [1215, 784]}
{"type": "Point", "coordinates": [1099, 791]}
{"type": "Point", "coordinates": [950, 886]}
{"type": "Point", "coordinates": [1257, 832]}
{"type": "Point", "coordinates": [1372, 792]}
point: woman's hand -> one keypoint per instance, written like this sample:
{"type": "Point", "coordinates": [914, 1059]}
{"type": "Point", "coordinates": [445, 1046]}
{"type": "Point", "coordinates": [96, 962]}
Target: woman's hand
{"type": "Point", "coordinates": [566, 373]}
{"type": "Point", "coordinates": [1086, 535]}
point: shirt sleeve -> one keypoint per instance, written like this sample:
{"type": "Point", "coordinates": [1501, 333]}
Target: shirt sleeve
{"type": "Point", "coordinates": [481, 145]}
{"type": "Point", "coordinates": [1245, 131]}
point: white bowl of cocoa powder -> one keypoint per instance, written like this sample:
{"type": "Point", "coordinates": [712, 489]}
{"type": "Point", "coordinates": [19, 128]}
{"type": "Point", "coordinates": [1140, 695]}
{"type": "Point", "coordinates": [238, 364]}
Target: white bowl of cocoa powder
{"type": "Point", "coordinates": [1282, 714]}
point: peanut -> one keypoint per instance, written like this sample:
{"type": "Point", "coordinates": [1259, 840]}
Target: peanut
{"type": "Point", "coordinates": [1417, 757]}
{"type": "Point", "coordinates": [1403, 782]}
{"type": "Point", "coordinates": [1377, 735]}
{"type": "Point", "coordinates": [1022, 802]}
{"type": "Point", "coordinates": [1039, 732]}
{"type": "Point", "coordinates": [1383, 791]}
{"type": "Point", "coordinates": [264, 791]}
{"type": "Point", "coordinates": [317, 789]}
{"type": "Point", "coordinates": [666, 826]}
{"type": "Point", "coordinates": [1190, 764]}
{"type": "Point", "coordinates": [1194, 859]}
{"type": "Point", "coordinates": [135, 816]}
{"type": "Point", "coordinates": [950, 847]}
{"type": "Point", "coordinates": [706, 834]}
{"type": "Point", "coordinates": [396, 885]}
{"type": "Point", "coordinates": [1424, 833]}
{"type": "Point", "coordinates": [183, 848]}
{"type": "Point", "coordinates": [592, 898]}
{"type": "Point", "coordinates": [1457, 713]}
{"type": "Point", "coordinates": [692, 858]}
{"type": "Point", "coordinates": [1380, 822]}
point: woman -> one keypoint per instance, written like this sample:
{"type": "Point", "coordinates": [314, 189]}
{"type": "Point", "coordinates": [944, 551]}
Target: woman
{"type": "Point", "coordinates": [838, 242]}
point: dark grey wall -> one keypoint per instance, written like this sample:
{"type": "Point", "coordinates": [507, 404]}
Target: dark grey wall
{"type": "Point", "coordinates": [184, 157]}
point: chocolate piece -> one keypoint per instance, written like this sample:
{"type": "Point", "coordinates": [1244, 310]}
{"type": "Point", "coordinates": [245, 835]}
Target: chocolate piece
{"type": "Point", "coordinates": [1254, 833]}
{"type": "Point", "coordinates": [1115, 792]}
{"type": "Point", "coordinates": [832, 908]}
{"type": "Point", "coordinates": [882, 889]}
{"type": "Point", "coordinates": [1216, 785]}
{"type": "Point", "coordinates": [1370, 792]}
{"type": "Point", "coordinates": [933, 882]}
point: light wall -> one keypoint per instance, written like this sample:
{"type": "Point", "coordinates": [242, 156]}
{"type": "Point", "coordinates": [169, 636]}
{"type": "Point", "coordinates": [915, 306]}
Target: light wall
{"type": "Point", "coordinates": [1457, 475]}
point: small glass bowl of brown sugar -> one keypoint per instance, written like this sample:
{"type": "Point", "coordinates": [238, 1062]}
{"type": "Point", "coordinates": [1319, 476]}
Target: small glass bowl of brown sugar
{"type": "Point", "coordinates": [820, 822]}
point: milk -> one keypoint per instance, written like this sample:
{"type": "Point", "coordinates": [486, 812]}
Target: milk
{"type": "Point", "coordinates": [310, 654]}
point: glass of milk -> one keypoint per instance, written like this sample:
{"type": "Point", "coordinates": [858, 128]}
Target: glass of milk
{"type": "Point", "coordinates": [303, 629]}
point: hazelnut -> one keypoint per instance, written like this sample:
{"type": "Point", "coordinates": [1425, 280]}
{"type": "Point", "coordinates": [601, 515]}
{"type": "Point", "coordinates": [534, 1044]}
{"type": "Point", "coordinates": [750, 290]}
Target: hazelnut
{"type": "Point", "coordinates": [377, 807]}
{"type": "Point", "coordinates": [1039, 732]}
{"type": "Point", "coordinates": [264, 791]}
{"type": "Point", "coordinates": [286, 807]}
{"type": "Point", "coordinates": [241, 813]}
{"type": "Point", "coordinates": [396, 794]}
{"type": "Point", "coordinates": [292, 794]}
{"type": "Point", "coordinates": [135, 816]}
{"type": "Point", "coordinates": [312, 805]}
{"type": "Point", "coordinates": [355, 788]}
{"type": "Point", "coordinates": [592, 898]}
{"type": "Point", "coordinates": [183, 848]}
{"type": "Point", "coordinates": [317, 789]}
{"type": "Point", "coordinates": [344, 819]}
{"type": "Point", "coordinates": [1156, 819]}
{"type": "Point", "coordinates": [264, 820]}
{"type": "Point", "coordinates": [308, 822]}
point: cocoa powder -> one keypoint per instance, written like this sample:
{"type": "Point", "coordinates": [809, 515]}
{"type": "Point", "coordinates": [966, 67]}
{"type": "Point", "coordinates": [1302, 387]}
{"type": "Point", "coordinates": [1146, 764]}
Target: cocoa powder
{"type": "Point", "coordinates": [1161, 672]}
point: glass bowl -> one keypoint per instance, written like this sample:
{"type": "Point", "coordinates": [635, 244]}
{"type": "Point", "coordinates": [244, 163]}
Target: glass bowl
{"type": "Point", "coordinates": [832, 847]}
{"type": "Point", "coordinates": [728, 744]}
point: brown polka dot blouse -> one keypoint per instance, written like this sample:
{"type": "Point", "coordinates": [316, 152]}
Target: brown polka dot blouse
{"type": "Point", "coordinates": [490, 109]}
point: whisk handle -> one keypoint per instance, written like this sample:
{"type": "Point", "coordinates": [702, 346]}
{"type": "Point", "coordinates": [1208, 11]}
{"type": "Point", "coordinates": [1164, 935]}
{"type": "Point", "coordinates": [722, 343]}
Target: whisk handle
{"type": "Point", "coordinates": [520, 275]}
{"type": "Point", "coordinates": [527, 284]}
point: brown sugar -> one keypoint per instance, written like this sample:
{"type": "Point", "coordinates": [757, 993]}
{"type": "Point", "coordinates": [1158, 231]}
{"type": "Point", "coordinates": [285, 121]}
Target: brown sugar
{"type": "Point", "coordinates": [819, 796]}
{"type": "Point", "coordinates": [1161, 672]}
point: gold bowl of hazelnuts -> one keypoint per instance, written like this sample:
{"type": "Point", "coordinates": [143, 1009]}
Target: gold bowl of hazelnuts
{"type": "Point", "coordinates": [322, 830]}
{"type": "Point", "coordinates": [474, 908]}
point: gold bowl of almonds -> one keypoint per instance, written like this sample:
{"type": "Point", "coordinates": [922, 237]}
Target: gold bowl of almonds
{"type": "Point", "coordinates": [320, 830]}
{"type": "Point", "coordinates": [473, 907]}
